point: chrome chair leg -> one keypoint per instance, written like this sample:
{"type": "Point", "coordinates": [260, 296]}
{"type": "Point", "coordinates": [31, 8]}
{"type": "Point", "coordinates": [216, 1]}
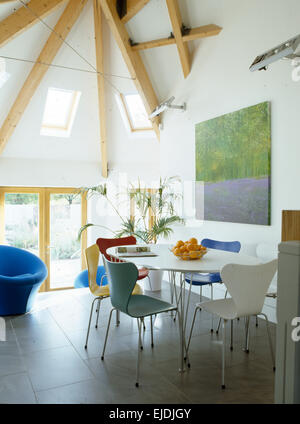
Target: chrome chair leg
{"type": "Point", "coordinates": [231, 334]}
{"type": "Point", "coordinates": [223, 354]}
{"type": "Point", "coordinates": [106, 335]}
{"type": "Point", "coordinates": [139, 323]}
{"type": "Point", "coordinates": [212, 315]}
{"type": "Point", "coordinates": [178, 297]}
{"type": "Point", "coordinates": [117, 318]}
{"type": "Point", "coordinates": [171, 289]}
{"type": "Point", "coordinates": [200, 295]}
{"type": "Point", "coordinates": [151, 324]}
{"type": "Point", "coordinates": [188, 302]}
{"type": "Point", "coordinates": [139, 352]}
{"type": "Point", "coordinates": [247, 328]}
{"type": "Point", "coordinates": [149, 282]}
{"type": "Point", "coordinates": [181, 337]}
{"type": "Point", "coordinates": [192, 328]}
{"type": "Point", "coordinates": [97, 307]}
{"type": "Point", "coordinates": [89, 326]}
{"type": "Point", "coordinates": [98, 311]}
{"type": "Point", "coordinates": [219, 323]}
{"type": "Point", "coordinates": [270, 339]}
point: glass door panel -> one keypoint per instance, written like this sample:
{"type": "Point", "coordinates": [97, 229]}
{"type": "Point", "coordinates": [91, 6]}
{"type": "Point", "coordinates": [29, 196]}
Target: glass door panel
{"type": "Point", "coordinates": [21, 221]}
{"type": "Point", "coordinates": [64, 248]}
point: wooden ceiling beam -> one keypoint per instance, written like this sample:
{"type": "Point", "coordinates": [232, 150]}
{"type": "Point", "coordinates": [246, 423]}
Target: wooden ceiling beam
{"type": "Point", "coordinates": [182, 47]}
{"type": "Point", "coordinates": [101, 85]}
{"type": "Point", "coordinates": [52, 46]}
{"type": "Point", "coordinates": [160, 42]}
{"type": "Point", "coordinates": [133, 61]}
{"type": "Point", "coordinates": [133, 7]}
{"type": "Point", "coordinates": [202, 32]}
{"type": "Point", "coordinates": [195, 33]}
{"type": "Point", "coordinates": [23, 18]}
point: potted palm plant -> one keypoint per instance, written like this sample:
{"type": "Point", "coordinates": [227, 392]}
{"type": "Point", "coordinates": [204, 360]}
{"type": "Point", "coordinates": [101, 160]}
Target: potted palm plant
{"type": "Point", "coordinates": [151, 217]}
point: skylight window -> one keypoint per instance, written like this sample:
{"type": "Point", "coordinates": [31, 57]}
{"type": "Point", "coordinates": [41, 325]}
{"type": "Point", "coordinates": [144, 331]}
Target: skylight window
{"type": "Point", "coordinates": [136, 112]}
{"type": "Point", "coordinates": [60, 110]}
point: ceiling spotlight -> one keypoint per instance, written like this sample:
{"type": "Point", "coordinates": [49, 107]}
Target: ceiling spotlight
{"type": "Point", "coordinates": [284, 50]}
{"type": "Point", "coordinates": [166, 105]}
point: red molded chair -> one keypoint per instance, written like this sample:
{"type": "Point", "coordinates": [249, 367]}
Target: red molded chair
{"type": "Point", "coordinates": [106, 243]}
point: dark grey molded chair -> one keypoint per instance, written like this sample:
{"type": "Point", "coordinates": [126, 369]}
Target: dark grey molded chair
{"type": "Point", "coordinates": [122, 277]}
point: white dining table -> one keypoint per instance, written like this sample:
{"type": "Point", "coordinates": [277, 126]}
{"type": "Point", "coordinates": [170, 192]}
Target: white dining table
{"type": "Point", "coordinates": [213, 261]}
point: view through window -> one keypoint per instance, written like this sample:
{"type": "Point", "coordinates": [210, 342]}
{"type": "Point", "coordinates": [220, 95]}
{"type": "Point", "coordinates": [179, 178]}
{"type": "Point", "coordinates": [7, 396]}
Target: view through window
{"type": "Point", "coordinates": [22, 221]}
{"type": "Point", "coordinates": [136, 112]}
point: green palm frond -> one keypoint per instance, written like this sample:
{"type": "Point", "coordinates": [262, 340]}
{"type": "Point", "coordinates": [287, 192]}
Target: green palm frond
{"type": "Point", "coordinates": [100, 190]}
{"type": "Point", "coordinates": [82, 229]}
{"type": "Point", "coordinates": [86, 226]}
{"type": "Point", "coordinates": [127, 228]}
{"type": "Point", "coordinates": [158, 204]}
{"type": "Point", "coordinates": [143, 235]}
{"type": "Point", "coordinates": [162, 227]}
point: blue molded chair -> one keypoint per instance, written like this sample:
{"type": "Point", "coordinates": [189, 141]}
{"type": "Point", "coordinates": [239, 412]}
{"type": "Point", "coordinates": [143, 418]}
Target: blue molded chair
{"type": "Point", "coordinates": [122, 277]}
{"type": "Point", "coordinates": [211, 278]}
{"type": "Point", "coordinates": [82, 279]}
{"type": "Point", "coordinates": [21, 275]}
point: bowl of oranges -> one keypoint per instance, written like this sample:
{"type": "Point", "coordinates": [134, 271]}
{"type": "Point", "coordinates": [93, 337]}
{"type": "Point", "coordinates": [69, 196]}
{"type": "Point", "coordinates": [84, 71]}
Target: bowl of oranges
{"type": "Point", "coordinates": [189, 250]}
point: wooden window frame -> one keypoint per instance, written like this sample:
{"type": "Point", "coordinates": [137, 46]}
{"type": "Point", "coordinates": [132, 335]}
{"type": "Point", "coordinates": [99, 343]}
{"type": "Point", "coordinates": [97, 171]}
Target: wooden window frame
{"type": "Point", "coordinates": [44, 222]}
{"type": "Point", "coordinates": [151, 217]}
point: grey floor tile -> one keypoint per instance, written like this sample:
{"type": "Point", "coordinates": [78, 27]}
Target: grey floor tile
{"type": "Point", "coordinates": [96, 341]}
{"type": "Point", "coordinates": [55, 367]}
{"type": "Point", "coordinates": [11, 361]}
{"type": "Point", "coordinates": [45, 351]}
{"type": "Point", "coordinates": [16, 389]}
{"type": "Point", "coordinates": [118, 373]}
{"type": "Point", "coordinates": [39, 315]}
{"type": "Point", "coordinates": [85, 392]}
{"type": "Point", "coordinates": [40, 337]}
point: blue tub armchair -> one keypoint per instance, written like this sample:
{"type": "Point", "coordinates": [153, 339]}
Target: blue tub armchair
{"type": "Point", "coordinates": [21, 275]}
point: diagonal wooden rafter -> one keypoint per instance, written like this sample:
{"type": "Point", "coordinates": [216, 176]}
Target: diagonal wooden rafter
{"type": "Point", "coordinates": [133, 7]}
{"type": "Point", "coordinates": [101, 85]}
{"type": "Point", "coordinates": [52, 46]}
{"type": "Point", "coordinates": [182, 47]}
{"type": "Point", "coordinates": [132, 59]}
{"type": "Point", "coordinates": [23, 18]}
{"type": "Point", "coordinates": [199, 32]}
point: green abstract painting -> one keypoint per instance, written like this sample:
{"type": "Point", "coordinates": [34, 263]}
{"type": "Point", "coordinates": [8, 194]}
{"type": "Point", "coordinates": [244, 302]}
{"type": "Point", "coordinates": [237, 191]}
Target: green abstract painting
{"type": "Point", "coordinates": [233, 159]}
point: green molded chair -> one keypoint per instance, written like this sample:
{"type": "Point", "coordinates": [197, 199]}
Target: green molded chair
{"type": "Point", "coordinates": [122, 277]}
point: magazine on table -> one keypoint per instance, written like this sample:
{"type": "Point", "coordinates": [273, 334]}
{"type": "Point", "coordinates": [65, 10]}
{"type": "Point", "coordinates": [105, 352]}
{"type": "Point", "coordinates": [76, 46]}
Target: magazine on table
{"type": "Point", "coordinates": [134, 251]}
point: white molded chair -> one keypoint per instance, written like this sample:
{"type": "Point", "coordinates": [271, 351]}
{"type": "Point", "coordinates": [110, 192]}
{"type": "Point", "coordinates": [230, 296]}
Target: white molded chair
{"type": "Point", "coordinates": [248, 286]}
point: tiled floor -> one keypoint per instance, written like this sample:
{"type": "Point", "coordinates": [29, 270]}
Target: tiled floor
{"type": "Point", "coordinates": [44, 360]}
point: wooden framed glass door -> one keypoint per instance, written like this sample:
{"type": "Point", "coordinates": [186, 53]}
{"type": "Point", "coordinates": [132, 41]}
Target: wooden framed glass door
{"type": "Point", "coordinates": [46, 222]}
{"type": "Point", "coordinates": [65, 214]}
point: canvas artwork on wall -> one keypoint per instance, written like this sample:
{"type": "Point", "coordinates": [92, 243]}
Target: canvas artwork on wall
{"type": "Point", "coordinates": [233, 160]}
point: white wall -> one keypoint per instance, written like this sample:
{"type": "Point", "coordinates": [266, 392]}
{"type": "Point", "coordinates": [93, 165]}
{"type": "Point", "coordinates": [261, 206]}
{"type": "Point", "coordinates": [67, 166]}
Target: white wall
{"type": "Point", "coordinates": [220, 82]}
